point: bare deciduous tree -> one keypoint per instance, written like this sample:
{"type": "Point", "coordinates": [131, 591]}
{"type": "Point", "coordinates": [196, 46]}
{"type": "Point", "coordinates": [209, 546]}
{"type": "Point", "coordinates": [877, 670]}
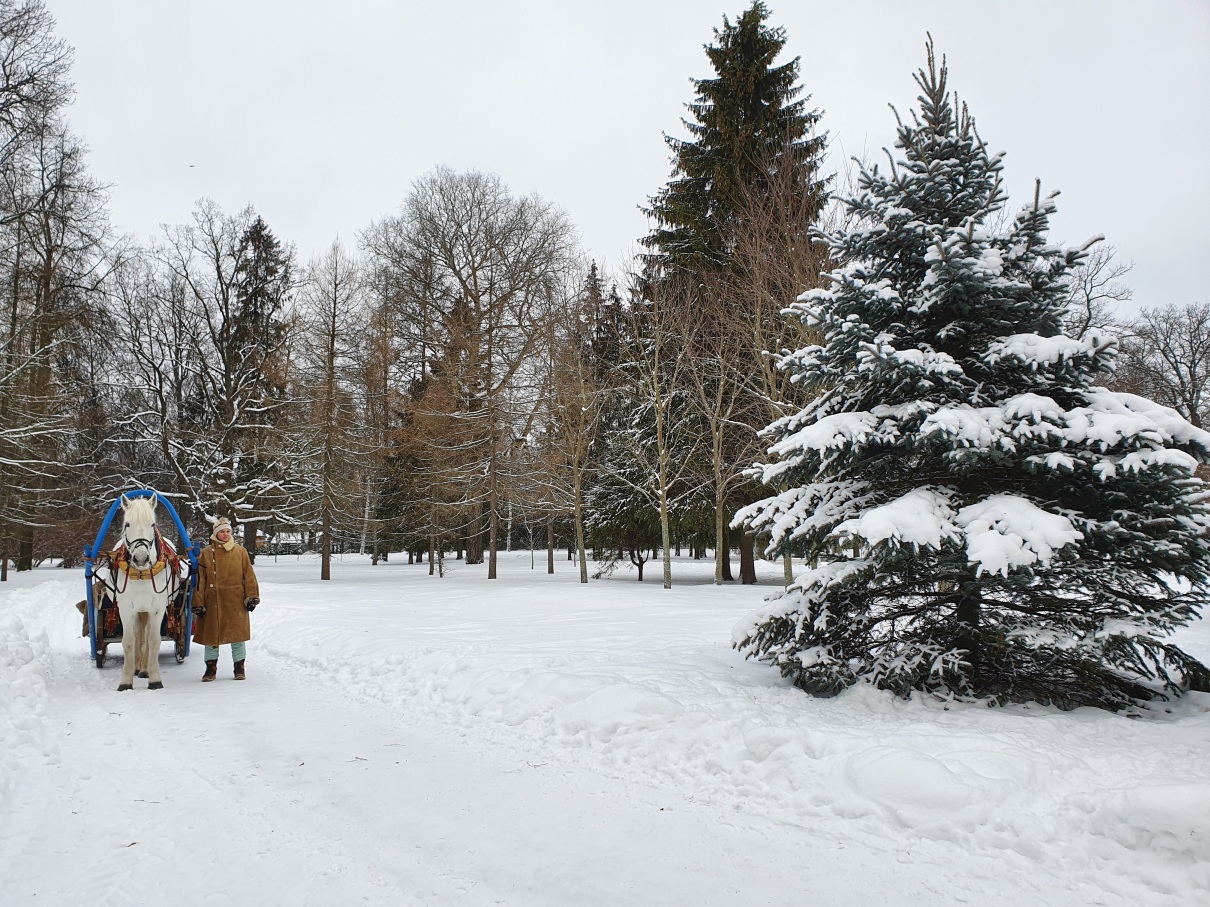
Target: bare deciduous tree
{"type": "Point", "coordinates": [1097, 292]}
{"type": "Point", "coordinates": [735, 328]}
{"type": "Point", "coordinates": [575, 395]}
{"type": "Point", "coordinates": [478, 273]}
{"type": "Point", "coordinates": [228, 280]}
{"type": "Point", "coordinates": [53, 229]}
{"type": "Point", "coordinates": [1166, 356]}
{"type": "Point", "coordinates": [332, 310]}
{"type": "Point", "coordinates": [657, 452]}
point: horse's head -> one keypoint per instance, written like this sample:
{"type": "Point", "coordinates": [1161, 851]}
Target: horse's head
{"type": "Point", "coordinates": [138, 531]}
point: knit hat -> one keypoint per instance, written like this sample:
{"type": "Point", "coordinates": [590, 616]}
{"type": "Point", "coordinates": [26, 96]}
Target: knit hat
{"type": "Point", "coordinates": [221, 523]}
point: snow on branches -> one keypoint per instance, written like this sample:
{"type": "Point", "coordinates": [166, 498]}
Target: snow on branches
{"type": "Point", "coordinates": [982, 520]}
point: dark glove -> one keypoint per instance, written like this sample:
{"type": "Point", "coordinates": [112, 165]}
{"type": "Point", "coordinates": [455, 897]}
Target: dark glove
{"type": "Point", "coordinates": [198, 610]}
{"type": "Point", "coordinates": [251, 603]}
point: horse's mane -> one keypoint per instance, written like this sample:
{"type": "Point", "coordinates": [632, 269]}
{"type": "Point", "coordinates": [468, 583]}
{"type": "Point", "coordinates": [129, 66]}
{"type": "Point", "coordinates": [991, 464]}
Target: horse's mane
{"type": "Point", "coordinates": [140, 510]}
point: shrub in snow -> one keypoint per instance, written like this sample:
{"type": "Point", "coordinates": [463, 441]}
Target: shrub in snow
{"type": "Point", "coordinates": [984, 521]}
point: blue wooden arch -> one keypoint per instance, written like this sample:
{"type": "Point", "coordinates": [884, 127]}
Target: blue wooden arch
{"type": "Point", "coordinates": [191, 550]}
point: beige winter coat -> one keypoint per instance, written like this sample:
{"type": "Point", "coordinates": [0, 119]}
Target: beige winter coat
{"type": "Point", "coordinates": [225, 581]}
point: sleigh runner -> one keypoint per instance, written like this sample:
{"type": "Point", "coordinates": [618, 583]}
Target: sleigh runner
{"type": "Point", "coordinates": [107, 574]}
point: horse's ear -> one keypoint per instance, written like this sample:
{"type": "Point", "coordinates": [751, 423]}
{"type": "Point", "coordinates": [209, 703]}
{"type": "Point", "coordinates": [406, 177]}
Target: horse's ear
{"type": "Point", "coordinates": [125, 502]}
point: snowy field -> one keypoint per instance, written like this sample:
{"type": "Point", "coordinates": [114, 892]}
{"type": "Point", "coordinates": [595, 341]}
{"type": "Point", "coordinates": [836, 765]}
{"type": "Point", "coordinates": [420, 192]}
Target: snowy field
{"type": "Point", "coordinates": [409, 740]}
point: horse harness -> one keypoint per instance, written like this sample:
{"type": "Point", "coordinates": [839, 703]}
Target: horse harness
{"type": "Point", "coordinates": [167, 561]}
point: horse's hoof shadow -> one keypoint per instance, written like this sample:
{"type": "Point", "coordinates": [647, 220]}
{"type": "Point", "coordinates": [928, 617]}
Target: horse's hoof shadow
{"type": "Point", "coordinates": [125, 686]}
{"type": "Point", "coordinates": [155, 685]}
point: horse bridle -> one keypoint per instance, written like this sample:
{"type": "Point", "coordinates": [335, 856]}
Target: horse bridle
{"type": "Point", "coordinates": [131, 547]}
{"type": "Point", "coordinates": [153, 561]}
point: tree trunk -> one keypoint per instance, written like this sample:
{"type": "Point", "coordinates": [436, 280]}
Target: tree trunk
{"type": "Point", "coordinates": [579, 520]}
{"type": "Point", "coordinates": [365, 526]}
{"type": "Point", "coordinates": [493, 507]}
{"type": "Point", "coordinates": [788, 569]}
{"type": "Point", "coordinates": [550, 543]}
{"type": "Point", "coordinates": [722, 559]}
{"type": "Point", "coordinates": [325, 551]}
{"type": "Point", "coordinates": [25, 549]}
{"type": "Point", "coordinates": [474, 536]}
{"type": "Point", "coordinates": [250, 541]}
{"type": "Point", "coordinates": [967, 638]}
{"type": "Point", "coordinates": [666, 539]}
{"type": "Point", "coordinates": [665, 523]}
{"type": "Point", "coordinates": [432, 557]}
{"type": "Point", "coordinates": [747, 559]}
{"type": "Point", "coordinates": [493, 528]}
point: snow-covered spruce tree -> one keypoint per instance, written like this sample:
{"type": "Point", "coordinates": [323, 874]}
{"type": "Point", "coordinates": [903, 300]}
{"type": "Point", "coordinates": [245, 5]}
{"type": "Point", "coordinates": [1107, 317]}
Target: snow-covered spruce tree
{"type": "Point", "coordinates": [986, 523]}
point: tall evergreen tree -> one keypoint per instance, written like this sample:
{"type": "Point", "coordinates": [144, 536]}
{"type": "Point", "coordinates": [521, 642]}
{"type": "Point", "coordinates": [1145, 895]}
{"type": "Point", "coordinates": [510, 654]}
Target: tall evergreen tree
{"type": "Point", "coordinates": [986, 521]}
{"type": "Point", "coordinates": [752, 151]}
{"type": "Point", "coordinates": [264, 282]}
{"type": "Point", "coordinates": [746, 124]}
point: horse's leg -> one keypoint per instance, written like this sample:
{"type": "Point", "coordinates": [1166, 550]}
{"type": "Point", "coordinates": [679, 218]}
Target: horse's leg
{"type": "Point", "coordinates": [153, 648]}
{"type": "Point", "coordinates": [140, 647]}
{"type": "Point", "coordinates": [129, 645]}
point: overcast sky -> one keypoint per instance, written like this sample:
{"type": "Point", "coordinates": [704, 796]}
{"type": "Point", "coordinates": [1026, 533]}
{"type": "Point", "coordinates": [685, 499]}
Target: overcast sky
{"type": "Point", "coordinates": [321, 113]}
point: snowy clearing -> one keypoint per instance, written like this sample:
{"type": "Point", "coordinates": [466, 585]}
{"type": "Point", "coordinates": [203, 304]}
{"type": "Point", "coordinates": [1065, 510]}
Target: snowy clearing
{"type": "Point", "coordinates": [404, 739]}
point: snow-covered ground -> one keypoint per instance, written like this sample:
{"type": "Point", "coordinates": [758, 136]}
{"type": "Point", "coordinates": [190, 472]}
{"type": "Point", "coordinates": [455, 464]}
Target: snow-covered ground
{"type": "Point", "coordinates": [409, 740]}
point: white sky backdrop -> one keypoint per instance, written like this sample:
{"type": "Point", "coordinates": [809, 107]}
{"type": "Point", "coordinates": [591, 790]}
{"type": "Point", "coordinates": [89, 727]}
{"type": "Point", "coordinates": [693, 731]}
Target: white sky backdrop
{"type": "Point", "coordinates": [321, 113]}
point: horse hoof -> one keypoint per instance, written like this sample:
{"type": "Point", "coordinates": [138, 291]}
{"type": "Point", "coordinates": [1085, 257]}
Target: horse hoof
{"type": "Point", "coordinates": [125, 686]}
{"type": "Point", "coordinates": [155, 685]}
{"type": "Point", "coordinates": [142, 675]}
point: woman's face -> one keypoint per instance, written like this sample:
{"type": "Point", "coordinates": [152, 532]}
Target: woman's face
{"type": "Point", "coordinates": [223, 533]}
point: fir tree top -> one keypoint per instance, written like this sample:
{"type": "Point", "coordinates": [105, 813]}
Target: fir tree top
{"type": "Point", "coordinates": [925, 272]}
{"type": "Point", "coordinates": [745, 120]}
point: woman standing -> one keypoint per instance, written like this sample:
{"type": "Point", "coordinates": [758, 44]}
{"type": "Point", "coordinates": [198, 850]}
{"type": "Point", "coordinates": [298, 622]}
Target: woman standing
{"type": "Point", "coordinates": [226, 592]}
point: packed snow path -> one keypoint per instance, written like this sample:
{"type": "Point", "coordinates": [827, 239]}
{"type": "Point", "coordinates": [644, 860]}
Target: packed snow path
{"type": "Point", "coordinates": [412, 740]}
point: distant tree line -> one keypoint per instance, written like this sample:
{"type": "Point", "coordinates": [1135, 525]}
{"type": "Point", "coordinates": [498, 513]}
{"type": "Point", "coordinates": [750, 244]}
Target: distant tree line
{"type": "Point", "coordinates": [458, 381]}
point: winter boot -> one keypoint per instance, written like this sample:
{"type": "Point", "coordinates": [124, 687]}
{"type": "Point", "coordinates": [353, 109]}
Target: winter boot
{"type": "Point", "coordinates": [211, 671]}
{"type": "Point", "coordinates": [239, 670]}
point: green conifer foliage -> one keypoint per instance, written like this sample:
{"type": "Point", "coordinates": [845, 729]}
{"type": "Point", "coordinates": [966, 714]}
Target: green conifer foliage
{"type": "Point", "coordinates": [985, 521]}
{"type": "Point", "coordinates": [745, 121]}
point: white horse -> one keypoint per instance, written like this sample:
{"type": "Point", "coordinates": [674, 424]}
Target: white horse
{"type": "Point", "coordinates": [144, 580]}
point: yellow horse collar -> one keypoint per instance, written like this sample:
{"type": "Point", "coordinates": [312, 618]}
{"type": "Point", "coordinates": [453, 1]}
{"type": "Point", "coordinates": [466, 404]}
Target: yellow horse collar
{"type": "Point", "coordinates": [136, 573]}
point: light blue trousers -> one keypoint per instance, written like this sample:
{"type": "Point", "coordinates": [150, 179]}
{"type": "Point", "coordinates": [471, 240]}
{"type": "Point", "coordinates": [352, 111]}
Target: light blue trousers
{"type": "Point", "coordinates": [237, 652]}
